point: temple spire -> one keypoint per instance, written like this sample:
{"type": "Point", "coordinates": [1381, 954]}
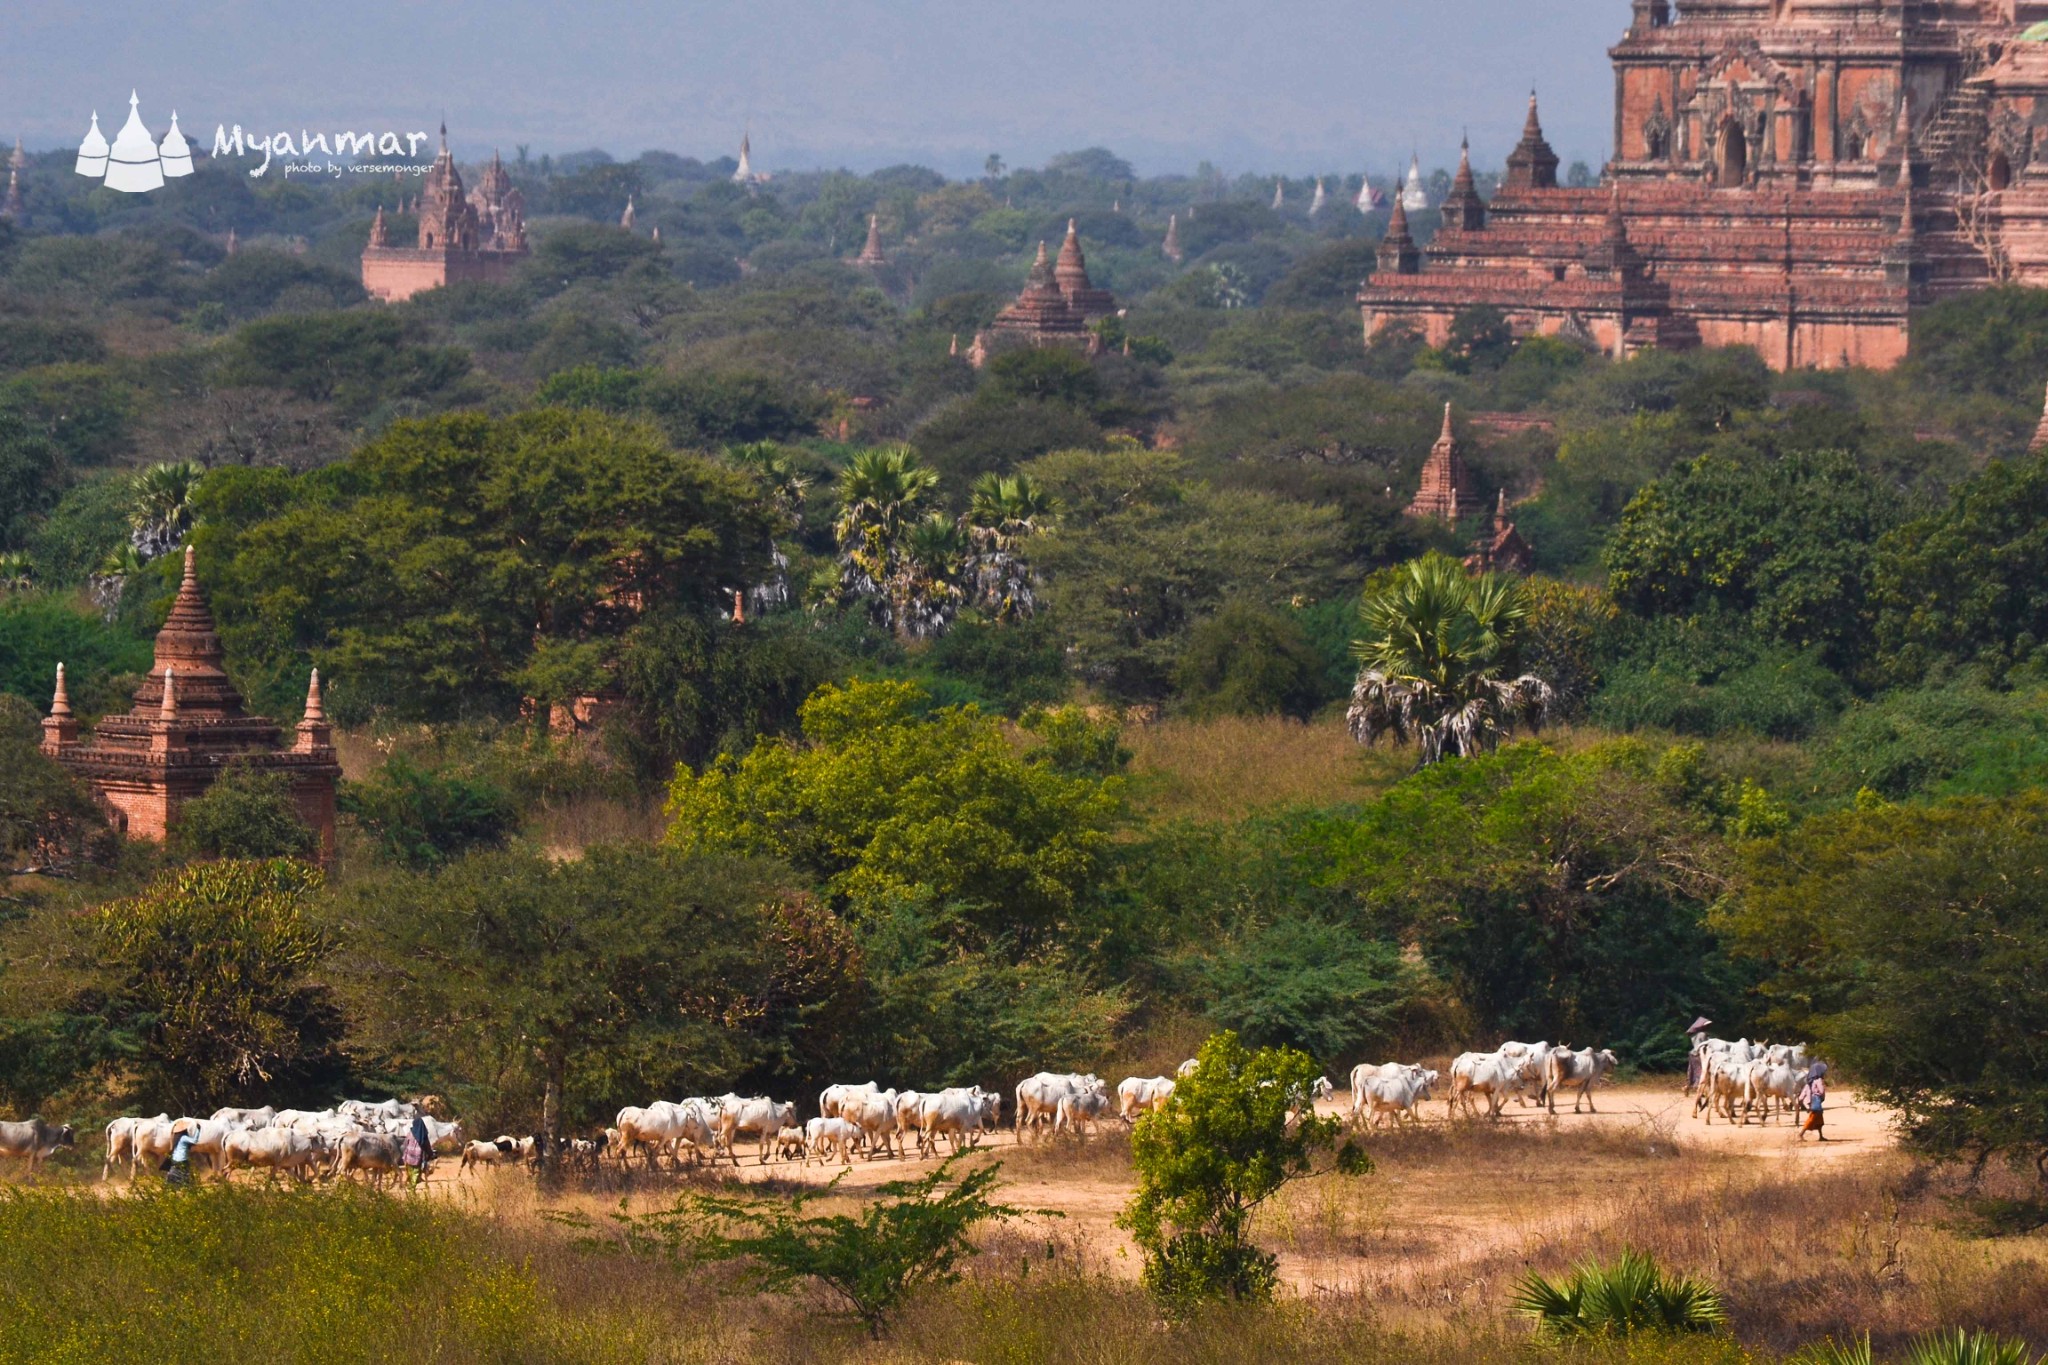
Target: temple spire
{"type": "Point", "coordinates": [169, 710]}
{"type": "Point", "coordinates": [60, 727]}
{"type": "Point", "coordinates": [1464, 209]}
{"type": "Point", "coordinates": [1398, 254]}
{"type": "Point", "coordinates": [314, 734]}
{"type": "Point", "coordinates": [2035, 447]}
{"type": "Point", "coordinates": [871, 254]}
{"type": "Point", "coordinates": [1172, 247]}
{"type": "Point", "coordinates": [1532, 165]}
{"type": "Point", "coordinates": [626, 218]}
{"type": "Point", "coordinates": [1445, 493]}
{"type": "Point", "coordinates": [60, 705]}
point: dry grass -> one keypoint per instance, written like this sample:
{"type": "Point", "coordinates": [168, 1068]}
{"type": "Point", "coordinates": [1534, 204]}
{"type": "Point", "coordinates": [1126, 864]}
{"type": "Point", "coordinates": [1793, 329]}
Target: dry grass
{"type": "Point", "coordinates": [1227, 768]}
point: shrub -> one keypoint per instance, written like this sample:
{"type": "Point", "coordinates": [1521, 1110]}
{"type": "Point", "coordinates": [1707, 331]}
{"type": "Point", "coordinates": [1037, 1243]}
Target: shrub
{"type": "Point", "coordinates": [1237, 1130]}
{"type": "Point", "coordinates": [1632, 1295]}
{"type": "Point", "coordinates": [421, 818]}
{"type": "Point", "coordinates": [246, 813]}
{"type": "Point", "coordinates": [1969, 1348]}
{"type": "Point", "coordinates": [1250, 660]}
{"type": "Point", "coordinates": [1306, 983]}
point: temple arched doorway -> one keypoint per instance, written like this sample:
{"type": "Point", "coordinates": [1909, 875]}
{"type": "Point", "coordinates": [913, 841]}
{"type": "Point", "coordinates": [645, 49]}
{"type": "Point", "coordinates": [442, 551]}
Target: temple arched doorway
{"type": "Point", "coordinates": [1734, 167]}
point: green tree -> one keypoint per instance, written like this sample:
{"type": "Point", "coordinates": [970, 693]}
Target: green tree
{"type": "Point", "coordinates": [537, 991]}
{"type": "Point", "coordinates": [1004, 513]}
{"type": "Point", "coordinates": [355, 360]}
{"type": "Point", "coordinates": [894, 554]}
{"type": "Point", "coordinates": [461, 564]}
{"type": "Point", "coordinates": [1632, 1295]}
{"type": "Point", "coordinates": [246, 813]}
{"type": "Point", "coordinates": [160, 510]}
{"type": "Point", "coordinates": [884, 798]}
{"type": "Point", "coordinates": [1249, 660]}
{"type": "Point", "coordinates": [1436, 644]}
{"type": "Point", "coordinates": [1236, 1131]}
{"type": "Point", "coordinates": [1788, 541]}
{"type": "Point", "coordinates": [1306, 983]}
{"type": "Point", "coordinates": [32, 476]}
{"type": "Point", "coordinates": [696, 687]}
{"type": "Point", "coordinates": [421, 818]}
{"type": "Point", "coordinates": [1958, 587]}
{"type": "Point", "coordinates": [46, 819]}
{"type": "Point", "coordinates": [1912, 944]}
{"type": "Point", "coordinates": [215, 968]}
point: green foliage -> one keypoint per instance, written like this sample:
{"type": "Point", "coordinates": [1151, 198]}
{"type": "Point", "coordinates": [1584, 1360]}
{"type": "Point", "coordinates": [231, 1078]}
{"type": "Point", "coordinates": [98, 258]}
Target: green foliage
{"type": "Point", "coordinates": [1630, 1296]}
{"type": "Point", "coordinates": [1236, 1131]}
{"type": "Point", "coordinates": [541, 991]}
{"type": "Point", "coordinates": [1957, 588]}
{"type": "Point", "coordinates": [911, 1236]}
{"type": "Point", "coordinates": [80, 530]}
{"type": "Point", "coordinates": [1991, 341]}
{"type": "Point", "coordinates": [356, 360]}
{"type": "Point", "coordinates": [1306, 983]}
{"type": "Point", "coordinates": [1709, 676]}
{"type": "Point", "coordinates": [1909, 941]}
{"type": "Point", "coordinates": [27, 342]}
{"type": "Point", "coordinates": [696, 408]}
{"type": "Point", "coordinates": [1561, 896]}
{"type": "Point", "coordinates": [1004, 666]}
{"type": "Point", "coordinates": [882, 798]}
{"type": "Point", "coordinates": [1959, 1347]}
{"type": "Point", "coordinates": [1947, 739]}
{"type": "Point", "coordinates": [213, 967]}
{"type": "Point", "coordinates": [1249, 660]}
{"type": "Point", "coordinates": [697, 687]}
{"type": "Point", "coordinates": [213, 1271]}
{"type": "Point", "coordinates": [45, 817]}
{"type": "Point", "coordinates": [31, 478]}
{"type": "Point", "coordinates": [421, 818]}
{"type": "Point", "coordinates": [1789, 543]}
{"type": "Point", "coordinates": [39, 631]}
{"type": "Point", "coordinates": [460, 564]}
{"type": "Point", "coordinates": [246, 813]}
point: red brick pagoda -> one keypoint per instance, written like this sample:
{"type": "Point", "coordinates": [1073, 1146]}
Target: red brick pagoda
{"type": "Point", "coordinates": [1446, 493]}
{"type": "Point", "coordinates": [186, 727]}
{"type": "Point", "coordinates": [460, 237]}
{"type": "Point", "coordinates": [1791, 175]}
{"type": "Point", "coordinates": [1059, 304]}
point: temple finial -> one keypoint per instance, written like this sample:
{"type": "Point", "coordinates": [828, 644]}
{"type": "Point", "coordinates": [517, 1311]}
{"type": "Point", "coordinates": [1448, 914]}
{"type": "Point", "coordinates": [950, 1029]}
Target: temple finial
{"type": "Point", "coordinates": [191, 578]}
{"type": "Point", "coordinates": [315, 707]}
{"type": "Point", "coordinates": [1445, 435]}
{"type": "Point", "coordinates": [60, 705]}
{"type": "Point", "coordinates": [169, 710]}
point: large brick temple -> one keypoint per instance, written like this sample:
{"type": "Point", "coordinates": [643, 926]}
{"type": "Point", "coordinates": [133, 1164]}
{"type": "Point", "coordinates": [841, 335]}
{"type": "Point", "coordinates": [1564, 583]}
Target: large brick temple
{"type": "Point", "coordinates": [186, 728]}
{"type": "Point", "coordinates": [1792, 175]}
{"type": "Point", "coordinates": [461, 236]}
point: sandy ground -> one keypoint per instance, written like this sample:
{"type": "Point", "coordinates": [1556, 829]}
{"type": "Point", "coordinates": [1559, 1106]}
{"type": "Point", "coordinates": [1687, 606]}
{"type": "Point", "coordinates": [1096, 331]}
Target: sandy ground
{"type": "Point", "coordinates": [1415, 1219]}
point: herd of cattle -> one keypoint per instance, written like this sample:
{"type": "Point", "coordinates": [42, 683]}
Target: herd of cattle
{"type": "Point", "coordinates": [358, 1137]}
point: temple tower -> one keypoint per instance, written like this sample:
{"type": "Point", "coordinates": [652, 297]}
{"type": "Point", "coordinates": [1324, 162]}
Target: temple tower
{"type": "Point", "coordinates": [1446, 493]}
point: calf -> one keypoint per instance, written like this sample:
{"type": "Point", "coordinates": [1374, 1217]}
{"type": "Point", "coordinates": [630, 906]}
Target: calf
{"type": "Point", "coordinates": [1077, 1112]}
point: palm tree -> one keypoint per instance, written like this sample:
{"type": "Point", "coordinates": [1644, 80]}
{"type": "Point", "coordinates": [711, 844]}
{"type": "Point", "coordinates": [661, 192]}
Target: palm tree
{"type": "Point", "coordinates": [922, 593]}
{"type": "Point", "coordinates": [1436, 642]}
{"type": "Point", "coordinates": [1003, 512]}
{"type": "Point", "coordinates": [1632, 1295]}
{"type": "Point", "coordinates": [17, 571]}
{"type": "Point", "coordinates": [882, 496]}
{"type": "Point", "coordinates": [161, 513]}
{"type": "Point", "coordinates": [786, 487]}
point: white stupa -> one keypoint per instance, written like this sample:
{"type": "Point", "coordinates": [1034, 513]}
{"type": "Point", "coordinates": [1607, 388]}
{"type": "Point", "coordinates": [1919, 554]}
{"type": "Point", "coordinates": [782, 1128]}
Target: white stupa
{"type": "Point", "coordinates": [1315, 205]}
{"type": "Point", "coordinates": [92, 153]}
{"type": "Point", "coordinates": [177, 153]}
{"type": "Point", "coordinates": [1367, 201]}
{"type": "Point", "coordinates": [1279, 195]}
{"type": "Point", "coordinates": [1414, 197]}
{"type": "Point", "coordinates": [745, 171]}
{"type": "Point", "coordinates": [134, 165]}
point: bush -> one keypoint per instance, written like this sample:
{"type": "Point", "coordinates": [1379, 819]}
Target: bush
{"type": "Point", "coordinates": [1250, 660]}
{"type": "Point", "coordinates": [1950, 738]}
{"type": "Point", "coordinates": [421, 818]}
{"type": "Point", "coordinates": [1237, 1130]}
{"type": "Point", "coordinates": [1306, 983]}
{"type": "Point", "coordinates": [1632, 1295]}
{"type": "Point", "coordinates": [246, 813]}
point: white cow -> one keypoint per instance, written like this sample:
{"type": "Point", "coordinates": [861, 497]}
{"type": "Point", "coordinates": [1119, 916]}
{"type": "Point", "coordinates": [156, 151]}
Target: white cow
{"type": "Point", "coordinates": [760, 1118]}
{"type": "Point", "coordinates": [247, 1118]}
{"type": "Point", "coordinates": [208, 1137]}
{"type": "Point", "coordinates": [1075, 1112]}
{"type": "Point", "coordinates": [1535, 1054]}
{"type": "Point", "coordinates": [1038, 1097]}
{"type": "Point", "coordinates": [878, 1119]}
{"type": "Point", "coordinates": [499, 1151]}
{"type": "Point", "coordinates": [832, 1097]}
{"type": "Point", "coordinates": [1765, 1081]}
{"type": "Point", "coordinates": [149, 1142]}
{"type": "Point", "coordinates": [273, 1150]}
{"type": "Point", "coordinates": [674, 1124]}
{"type": "Point", "coordinates": [1188, 1068]}
{"type": "Point", "coordinates": [1490, 1074]}
{"type": "Point", "coordinates": [1582, 1069]}
{"type": "Point", "coordinates": [1394, 1088]}
{"type": "Point", "coordinates": [1722, 1085]}
{"type": "Point", "coordinates": [377, 1155]}
{"type": "Point", "coordinates": [959, 1116]}
{"type": "Point", "coordinates": [824, 1136]}
{"type": "Point", "coordinates": [1137, 1095]}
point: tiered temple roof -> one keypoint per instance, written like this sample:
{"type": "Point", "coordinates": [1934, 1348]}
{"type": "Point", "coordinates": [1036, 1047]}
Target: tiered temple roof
{"type": "Point", "coordinates": [1058, 304]}
{"type": "Point", "coordinates": [1446, 493]}
{"type": "Point", "coordinates": [461, 236]}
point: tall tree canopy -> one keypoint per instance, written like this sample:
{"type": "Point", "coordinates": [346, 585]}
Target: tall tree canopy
{"type": "Point", "coordinates": [459, 564]}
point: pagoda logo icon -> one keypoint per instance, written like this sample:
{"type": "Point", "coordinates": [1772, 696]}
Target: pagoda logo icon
{"type": "Point", "coordinates": [136, 163]}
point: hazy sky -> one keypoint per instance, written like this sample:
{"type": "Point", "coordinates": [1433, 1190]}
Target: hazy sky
{"type": "Point", "coordinates": [1300, 86]}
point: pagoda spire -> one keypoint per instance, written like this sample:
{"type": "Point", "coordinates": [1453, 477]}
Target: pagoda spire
{"type": "Point", "coordinates": [1532, 165]}
{"type": "Point", "coordinates": [626, 218]}
{"type": "Point", "coordinates": [1398, 254]}
{"type": "Point", "coordinates": [2035, 447]}
{"type": "Point", "coordinates": [1172, 248]}
{"type": "Point", "coordinates": [1464, 210]}
{"type": "Point", "coordinates": [1321, 197]}
{"type": "Point", "coordinates": [1279, 195]}
{"type": "Point", "coordinates": [314, 734]}
{"type": "Point", "coordinates": [871, 254]}
{"type": "Point", "coordinates": [60, 727]}
{"type": "Point", "coordinates": [380, 232]}
{"type": "Point", "coordinates": [169, 709]}
{"type": "Point", "coordinates": [1446, 491]}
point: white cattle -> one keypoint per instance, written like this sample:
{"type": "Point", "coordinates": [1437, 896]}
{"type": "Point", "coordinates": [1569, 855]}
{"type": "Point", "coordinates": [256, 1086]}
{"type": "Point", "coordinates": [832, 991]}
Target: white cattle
{"type": "Point", "coordinates": [376, 1155]}
{"type": "Point", "coordinates": [149, 1142]}
{"type": "Point", "coordinates": [1077, 1111]}
{"type": "Point", "coordinates": [273, 1150]}
{"type": "Point", "coordinates": [789, 1144]}
{"type": "Point", "coordinates": [674, 1124]}
{"type": "Point", "coordinates": [1535, 1054]}
{"type": "Point", "coordinates": [1582, 1070]}
{"type": "Point", "coordinates": [1038, 1097]}
{"type": "Point", "coordinates": [1765, 1081]}
{"type": "Point", "coordinates": [1722, 1086]}
{"type": "Point", "coordinates": [631, 1126]}
{"type": "Point", "coordinates": [33, 1141]}
{"type": "Point", "coordinates": [759, 1118]}
{"type": "Point", "coordinates": [832, 1097]}
{"type": "Point", "coordinates": [1188, 1067]}
{"type": "Point", "coordinates": [1137, 1095]}
{"type": "Point", "coordinates": [445, 1138]}
{"type": "Point", "coordinates": [824, 1136]}
{"type": "Point", "coordinates": [379, 1113]}
{"type": "Point", "coordinates": [878, 1119]}
{"type": "Point", "coordinates": [499, 1151]}
{"type": "Point", "coordinates": [959, 1116]}
{"type": "Point", "coordinates": [910, 1115]}
{"type": "Point", "coordinates": [1490, 1074]}
{"type": "Point", "coordinates": [208, 1136]}
{"type": "Point", "coordinates": [1394, 1088]}
{"type": "Point", "coordinates": [247, 1118]}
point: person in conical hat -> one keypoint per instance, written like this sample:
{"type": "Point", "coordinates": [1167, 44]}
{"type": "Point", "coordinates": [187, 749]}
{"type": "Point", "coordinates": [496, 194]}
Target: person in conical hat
{"type": "Point", "coordinates": [134, 165]}
{"type": "Point", "coordinates": [92, 153]}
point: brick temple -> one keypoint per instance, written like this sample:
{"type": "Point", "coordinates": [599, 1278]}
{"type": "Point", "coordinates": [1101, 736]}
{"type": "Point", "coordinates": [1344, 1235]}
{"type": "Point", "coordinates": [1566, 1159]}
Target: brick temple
{"type": "Point", "coordinates": [186, 728]}
{"type": "Point", "coordinates": [1447, 494]}
{"type": "Point", "coordinates": [1791, 175]}
{"type": "Point", "coordinates": [1059, 306]}
{"type": "Point", "coordinates": [461, 237]}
